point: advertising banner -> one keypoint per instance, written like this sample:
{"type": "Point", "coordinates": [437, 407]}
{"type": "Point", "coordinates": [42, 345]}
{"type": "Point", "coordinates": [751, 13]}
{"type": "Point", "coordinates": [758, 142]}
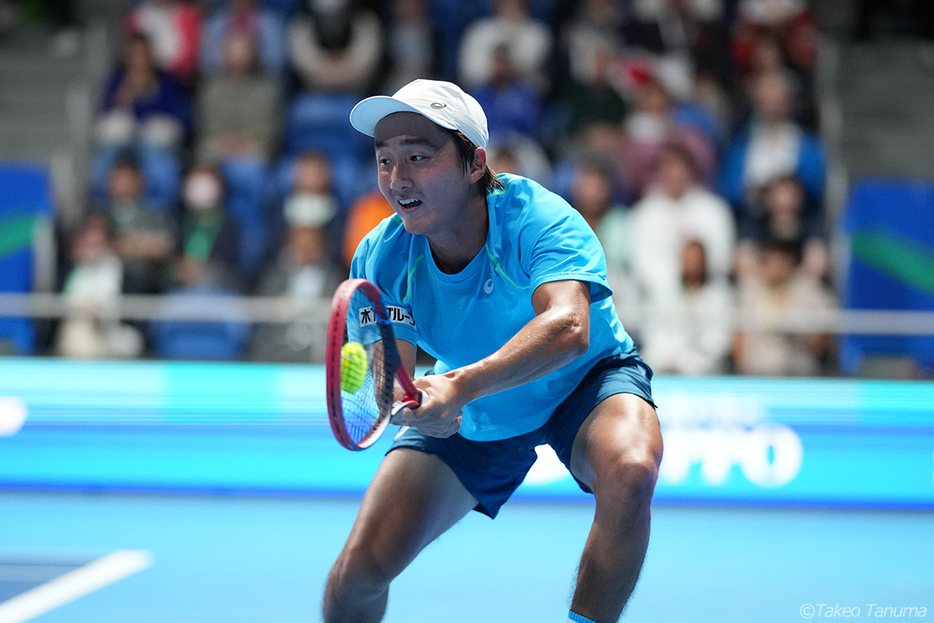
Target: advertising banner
{"type": "Point", "coordinates": [262, 429]}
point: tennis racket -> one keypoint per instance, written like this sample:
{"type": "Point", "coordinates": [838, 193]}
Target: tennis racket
{"type": "Point", "coordinates": [361, 365]}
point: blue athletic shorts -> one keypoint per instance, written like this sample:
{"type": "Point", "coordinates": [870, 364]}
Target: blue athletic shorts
{"type": "Point", "coordinates": [492, 470]}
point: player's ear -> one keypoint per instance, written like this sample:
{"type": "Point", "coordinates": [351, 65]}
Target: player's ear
{"type": "Point", "coordinates": [477, 165]}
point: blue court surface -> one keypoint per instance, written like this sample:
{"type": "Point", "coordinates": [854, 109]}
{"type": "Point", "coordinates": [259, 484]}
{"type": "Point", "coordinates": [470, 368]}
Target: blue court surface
{"type": "Point", "coordinates": [231, 559]}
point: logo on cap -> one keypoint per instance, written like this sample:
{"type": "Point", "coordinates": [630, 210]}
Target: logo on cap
{"type": "Point", "coordinates": [438, 105]}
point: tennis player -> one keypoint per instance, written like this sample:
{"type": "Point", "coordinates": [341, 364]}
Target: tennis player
{"type": "Point", "coordinates": [505, 285]}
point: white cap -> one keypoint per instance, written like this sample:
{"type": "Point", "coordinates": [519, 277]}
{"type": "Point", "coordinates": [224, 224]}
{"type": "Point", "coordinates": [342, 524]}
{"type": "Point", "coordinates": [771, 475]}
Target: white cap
{"type": "Point", "coordinates": [444, 103]}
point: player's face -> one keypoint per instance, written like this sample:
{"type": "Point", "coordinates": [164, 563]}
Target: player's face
{"type": "Point", "coordinates": [422, 176]}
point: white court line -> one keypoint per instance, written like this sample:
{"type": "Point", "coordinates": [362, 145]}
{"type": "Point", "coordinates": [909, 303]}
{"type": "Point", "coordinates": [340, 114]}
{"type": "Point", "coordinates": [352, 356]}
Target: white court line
{"type": "Point", "coordinates": [74, 584]}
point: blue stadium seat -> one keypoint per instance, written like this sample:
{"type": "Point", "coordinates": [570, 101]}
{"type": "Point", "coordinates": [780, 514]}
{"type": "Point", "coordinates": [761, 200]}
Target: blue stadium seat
{"type": "Point", "coordinates": [201, 341]}
{"type": "Point", "coordinates": [248, 183]}
{"type": "Point", "coordinates": [322, 121]}
{"type": "Point", "coordinates": [890, 228]}
{"type": "Point", "coordinates": [25, 205]}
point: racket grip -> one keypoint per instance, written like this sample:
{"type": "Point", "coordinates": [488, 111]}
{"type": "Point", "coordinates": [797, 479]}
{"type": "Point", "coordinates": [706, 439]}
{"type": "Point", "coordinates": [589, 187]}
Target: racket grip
{"type": "Point", "coordinates": [412, 403]}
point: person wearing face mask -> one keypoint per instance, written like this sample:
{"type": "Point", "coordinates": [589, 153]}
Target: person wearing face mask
{"type": "Point", "coordinates": [304, 272]}
{"type": "Point", "coordinates": [312, 191]}
{"type": "Point", "coordinates": [205, 265]}
{"type": "Point", "coordinates": [209, 237]}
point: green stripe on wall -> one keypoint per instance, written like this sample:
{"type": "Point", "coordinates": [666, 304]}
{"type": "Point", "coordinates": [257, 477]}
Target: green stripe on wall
{"type": "Point", "coordinates": [898, 256]}
{"type": "Point", "coordinates": [16, 235]}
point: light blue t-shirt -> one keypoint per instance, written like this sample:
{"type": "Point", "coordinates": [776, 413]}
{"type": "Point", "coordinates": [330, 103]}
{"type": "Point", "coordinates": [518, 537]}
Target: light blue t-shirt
{"type": "Point", "coordinates": [534, 237]}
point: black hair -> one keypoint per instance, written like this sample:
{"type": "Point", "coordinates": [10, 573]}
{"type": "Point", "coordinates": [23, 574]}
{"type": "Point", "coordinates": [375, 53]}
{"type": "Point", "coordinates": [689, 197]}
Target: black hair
{"type": "Point", "coordinates": [789, 248]}
{"type": "Point", "coordinates": [680, 151]}
{"type": "Point", "coordinates": [466, 150]}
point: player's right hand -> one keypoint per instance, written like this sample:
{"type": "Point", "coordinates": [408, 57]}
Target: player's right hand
{"type": "Point", "coordinates": [439, 415]}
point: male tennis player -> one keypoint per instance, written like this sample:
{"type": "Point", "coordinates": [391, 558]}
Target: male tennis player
{"type": "Point", "coordinates": [505, 284]}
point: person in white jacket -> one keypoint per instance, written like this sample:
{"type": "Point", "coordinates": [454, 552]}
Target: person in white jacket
{"type": "Point", "coordinates": [676, 210]}
{"type": "Point", "coordinates": [694, 333]}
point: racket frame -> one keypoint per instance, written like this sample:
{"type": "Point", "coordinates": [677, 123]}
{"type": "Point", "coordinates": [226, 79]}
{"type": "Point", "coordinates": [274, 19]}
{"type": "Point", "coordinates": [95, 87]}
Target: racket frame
{"type": "Point", "coordinates": [337, 324]}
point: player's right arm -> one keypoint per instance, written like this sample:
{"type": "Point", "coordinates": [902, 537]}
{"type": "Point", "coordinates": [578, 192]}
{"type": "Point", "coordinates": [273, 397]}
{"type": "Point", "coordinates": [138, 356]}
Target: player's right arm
{"type": "Point", "coordinates": [557, 334]}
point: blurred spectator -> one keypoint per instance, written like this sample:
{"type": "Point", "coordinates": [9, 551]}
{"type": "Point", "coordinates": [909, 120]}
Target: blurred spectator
{"type": "Point", "coordinates": [143, 238]}
{"type": "Point", "coordinates": [648, 129]}
{"type": "Point", "coordinates": [205, 266]}
{"type": "Point", "coordinates": [784, 215]}
{"type": "Point", "coordinates": [143, 105]}
{"type": "Point", "coordinates": [239, 111]}
{"type": "Point", "coordinates": [303, 272]}
{"type": "Point", "coordinates": [511, 24]}
{"type": "Point", "coordinates": [772, 145]}
{"type": "Point", "coordinates": [413, 46]}
{"type": "Point", "coordinates": [311, 196]}
{"type": "Point", "coordinates": [520, 155]}
{"type": "Point", "coordinates": [591, 97]}
{"type": "Point", "coordinates": [209, 238]}
{"type": "Point", "coordinates": [678, 209]}
{"type": "Point", "coordinates": [511, 104]}
{"type": "Point", "coordinates": [789, 20]}
{"type": "Point", "coordinates": [767, 56]}
{"type": "Point", "coordinates": [364, 214]}
{"type": "Point", "coordinates": [777, 292]}
{"type": "Point", "coordinates": [689, 32]}
{"type": "Point", "coordinates": [591, 194]}
{"type": "Point", "coordinates": [92, 327]}
{"type": "Point", "coordinates": [694, 333]}
{"type": "Point", "coordinates": [598, 22]}
{"type": "Point", "coordinates": [174, 28]}
{"type": "Point", "coordinates": [708, 109]}
{"type": "Point", "coordinates": [249, 18]}
{"type": "Point", "coordinates": [335, 47]}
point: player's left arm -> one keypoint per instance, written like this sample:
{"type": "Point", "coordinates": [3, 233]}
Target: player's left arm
{"type": "Point", "coordinates": [559, 333]}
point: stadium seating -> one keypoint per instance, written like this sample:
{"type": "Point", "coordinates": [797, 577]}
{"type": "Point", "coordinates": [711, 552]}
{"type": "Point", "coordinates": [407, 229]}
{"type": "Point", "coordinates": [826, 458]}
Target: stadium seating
{"type": "Point", "coordinates": [200, 341]}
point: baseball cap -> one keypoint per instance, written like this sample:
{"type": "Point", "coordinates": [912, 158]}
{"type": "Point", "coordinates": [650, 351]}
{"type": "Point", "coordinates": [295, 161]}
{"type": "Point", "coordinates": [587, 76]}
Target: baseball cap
{"type": "Point", "coordinates": [444, 103]}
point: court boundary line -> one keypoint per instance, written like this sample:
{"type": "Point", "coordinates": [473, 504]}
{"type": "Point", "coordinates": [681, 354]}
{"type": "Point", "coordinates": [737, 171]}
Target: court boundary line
{"type": "Point", "coordinates": [76, 583]}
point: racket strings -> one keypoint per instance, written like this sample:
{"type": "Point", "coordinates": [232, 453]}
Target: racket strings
{"type": "Point", "coordinates": [365, 407]}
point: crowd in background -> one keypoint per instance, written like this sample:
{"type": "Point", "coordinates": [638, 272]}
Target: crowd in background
{"type": "Point", "coordinates": [683, 131]}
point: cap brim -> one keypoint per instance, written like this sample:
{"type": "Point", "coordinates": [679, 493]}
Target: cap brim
{"type": "Point", "coordinates": [367, 113]}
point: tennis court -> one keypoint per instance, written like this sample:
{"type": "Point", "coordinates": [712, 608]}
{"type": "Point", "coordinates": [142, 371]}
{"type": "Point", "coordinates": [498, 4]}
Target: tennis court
{"type": "Point", "coordinates": [251, 559]}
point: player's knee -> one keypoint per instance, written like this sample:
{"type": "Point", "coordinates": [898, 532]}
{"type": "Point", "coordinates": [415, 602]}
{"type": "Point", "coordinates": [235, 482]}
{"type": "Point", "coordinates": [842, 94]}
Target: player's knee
{"type": "Point", "coordinates": [359, 570]}
{"type": "Point", "coordinates": [629, 480]}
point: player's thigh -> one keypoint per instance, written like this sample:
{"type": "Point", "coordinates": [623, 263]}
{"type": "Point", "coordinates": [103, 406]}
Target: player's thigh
{"type": "Point", "coordinates": [620, 439]}
{"type": "Point", "coordinates": [413, 499]}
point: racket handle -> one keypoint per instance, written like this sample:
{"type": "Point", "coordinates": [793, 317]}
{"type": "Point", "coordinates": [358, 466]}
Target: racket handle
{"type": "Point", "coordinates": [412, 403]}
